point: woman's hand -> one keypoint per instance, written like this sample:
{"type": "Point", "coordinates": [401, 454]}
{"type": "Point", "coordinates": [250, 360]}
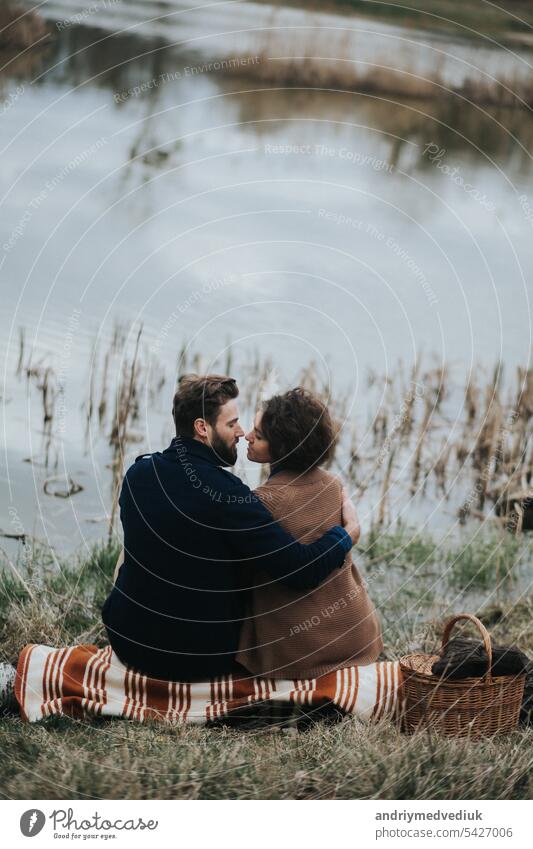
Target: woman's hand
{"type": "Point", "coordinates": [120, 561]}
{"type": "Point", "coordinates": [350, 519]}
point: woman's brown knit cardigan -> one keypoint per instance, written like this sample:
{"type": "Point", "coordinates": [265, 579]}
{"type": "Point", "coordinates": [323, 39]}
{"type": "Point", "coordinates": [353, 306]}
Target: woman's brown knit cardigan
{"type": "Point", "coordinates": [295, 634]}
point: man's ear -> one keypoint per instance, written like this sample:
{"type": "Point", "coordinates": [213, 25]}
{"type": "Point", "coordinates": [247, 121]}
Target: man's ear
{"type": "Point", "coordinates": [200, 428]}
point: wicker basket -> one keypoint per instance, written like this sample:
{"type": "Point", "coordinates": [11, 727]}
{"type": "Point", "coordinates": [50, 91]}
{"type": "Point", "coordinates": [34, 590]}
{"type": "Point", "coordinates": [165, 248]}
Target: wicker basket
{"type": "Point", "coordinates": [473, 707]}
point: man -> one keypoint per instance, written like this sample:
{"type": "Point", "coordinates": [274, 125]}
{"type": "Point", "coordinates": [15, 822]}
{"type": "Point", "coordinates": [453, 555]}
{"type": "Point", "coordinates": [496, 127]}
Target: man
{"type": "Point", "coordinates": [192, 534]}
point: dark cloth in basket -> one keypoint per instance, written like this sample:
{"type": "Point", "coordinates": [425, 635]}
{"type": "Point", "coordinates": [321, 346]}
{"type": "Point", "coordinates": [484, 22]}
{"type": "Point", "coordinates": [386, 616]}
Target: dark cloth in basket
{"type": "Point", "coordinates": [467, 658]}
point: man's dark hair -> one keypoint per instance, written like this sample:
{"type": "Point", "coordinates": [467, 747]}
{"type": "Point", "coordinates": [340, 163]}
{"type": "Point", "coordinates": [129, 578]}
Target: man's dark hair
{"type": "Point", "coordinates": [200, 398]}
{"type": "Point", "coordinates": [300, 430]}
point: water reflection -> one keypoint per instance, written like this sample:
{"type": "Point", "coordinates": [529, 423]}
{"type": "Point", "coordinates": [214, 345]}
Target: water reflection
{"type": "Point", "coordinates": [85, 56]}
{"type": "Point", "coordinates": [192, 183]}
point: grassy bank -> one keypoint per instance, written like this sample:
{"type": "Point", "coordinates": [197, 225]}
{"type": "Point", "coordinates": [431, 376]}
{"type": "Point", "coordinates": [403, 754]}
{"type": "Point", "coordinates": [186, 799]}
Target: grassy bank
{"type": "Point", "coordinates": [417, 583]}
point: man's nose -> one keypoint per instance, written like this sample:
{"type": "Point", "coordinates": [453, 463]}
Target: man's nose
{"type": "Point", "coordinates": [239, 432]}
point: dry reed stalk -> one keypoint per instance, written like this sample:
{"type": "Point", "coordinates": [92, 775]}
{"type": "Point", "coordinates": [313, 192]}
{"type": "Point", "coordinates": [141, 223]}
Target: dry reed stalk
{"type": "Point", "coordinates": [102, 404]}
{"type": "Point", "coordinates": [471, 402]}
{"type": "Point", "coordinates": [417, 459]}
{"type": "Point", "coordinates": [197, 363]}
{"type": "Point", "coordinates": [355, 458]}
{"type": "Point", "coordinates": [182, 362]}
{"type": "Point", "coordinates": [440, 390]}
{"type": "Point", "coordinates": [90, 401]}
{"type": "Point", "coordinates": [20, 28]}
{"type": "Point", "coordinates": [441, 465]}
{"type": "Point", "coordinates": [481, 454]}
{"type": "Point", "coordinates": [119, 338]}
{"type": "Point", "coordinates": [385, 489]}
{"type": "Point", "coordinates": [406, 426]}
{"type": "Point", "coordinates": [520, 521]}
{"type": "Point", "coordinates": [48, 397]}
{"type": "Point", "coordinates": [119, 432]}
{"type": "Point", "coordinates": [380, 426]}
{"type": "Point", "coordinates": [229, 359]}
{"type": "Point", "coordinates": [48, 394]}
{"type": "Point", "coordinates": [524, 401]}
{"type": "Point", "coordinates": [20, 361]}
{"type": "Point", "coordinates": [495, 437]}
{"type": "Point", "coordinates": [309, 378]}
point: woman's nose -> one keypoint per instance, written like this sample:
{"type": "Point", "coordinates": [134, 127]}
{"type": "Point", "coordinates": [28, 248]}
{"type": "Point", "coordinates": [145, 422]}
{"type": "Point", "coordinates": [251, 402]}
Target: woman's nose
{"type": "Point", "coordinates": [249, 437]}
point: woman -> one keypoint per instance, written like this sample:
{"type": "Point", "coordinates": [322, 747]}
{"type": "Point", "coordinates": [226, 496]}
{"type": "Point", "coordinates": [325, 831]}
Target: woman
{"type": "Point", "coordinates": [290, 634]}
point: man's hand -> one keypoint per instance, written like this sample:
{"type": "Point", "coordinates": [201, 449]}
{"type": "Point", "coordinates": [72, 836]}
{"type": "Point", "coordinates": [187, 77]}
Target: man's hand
{"type": "Point", "coordinates": [350, 519]}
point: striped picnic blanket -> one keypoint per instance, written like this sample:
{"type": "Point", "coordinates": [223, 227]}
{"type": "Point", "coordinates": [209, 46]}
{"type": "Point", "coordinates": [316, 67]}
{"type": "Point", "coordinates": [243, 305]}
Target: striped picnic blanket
{"type": "Point", "coordinates": [85, 681]}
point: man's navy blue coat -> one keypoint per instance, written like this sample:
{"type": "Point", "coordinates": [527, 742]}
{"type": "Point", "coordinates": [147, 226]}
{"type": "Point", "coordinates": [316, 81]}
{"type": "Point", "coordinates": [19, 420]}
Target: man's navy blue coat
{"type": "Point", "coordinates": [193, 533]}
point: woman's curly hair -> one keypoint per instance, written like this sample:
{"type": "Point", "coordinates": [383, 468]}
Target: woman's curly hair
{"type": "Point", "coordinates": [300, 430]}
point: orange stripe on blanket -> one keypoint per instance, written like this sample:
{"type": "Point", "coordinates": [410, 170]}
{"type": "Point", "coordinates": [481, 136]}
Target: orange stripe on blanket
{"type": "Point", "coordinates": [380, 689]}
{"type": "Point", "coordinates": [243, 689]}
{"type": "Point", "coordinates": [105, 669]}
{"type": "Point", "coordinates": [326, 687]}
{"type": "Point", "coordinates": [55, 691]}
{"type": "Point", "coordinates": [187, 688]}
{"type": "Point", "coordinates": [88, 683]}
{"type": "Point", "coordinates": [44, 686]}
{"type": "Point", "coordinates": [125, 708]}
{"type": "Point", "coordinates": [49, 683]}
{"type": "Point", "coordinates": [73, 686]}
{"type": "Point", "coordinates": [170, 699]}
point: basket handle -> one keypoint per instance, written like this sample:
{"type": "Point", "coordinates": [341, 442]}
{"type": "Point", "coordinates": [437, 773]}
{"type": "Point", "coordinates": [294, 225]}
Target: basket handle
{"type": "Point", "coordinates": [484, 634]}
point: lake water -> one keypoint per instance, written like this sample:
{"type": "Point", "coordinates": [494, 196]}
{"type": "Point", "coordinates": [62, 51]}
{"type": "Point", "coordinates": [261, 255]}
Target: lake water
{"type": "Point", "coordinates": [141, 184]}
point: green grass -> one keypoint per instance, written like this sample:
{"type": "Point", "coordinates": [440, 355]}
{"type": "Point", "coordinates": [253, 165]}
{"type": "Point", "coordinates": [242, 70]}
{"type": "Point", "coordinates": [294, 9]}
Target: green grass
{"type": "Point", "coordinates": [59, 604]}
{"type": "Point", "coordinates": [399, 548]}
{"type": "Point", "coordinates": [476, 562]}
{"type": "Point", "coordinates": [486, 563]}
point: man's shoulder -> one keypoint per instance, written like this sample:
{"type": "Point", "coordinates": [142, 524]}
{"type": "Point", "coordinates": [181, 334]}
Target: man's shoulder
{"type": "Point", "coordinates": [143, 462]}
{"type": "Point", "coordinates": [233, 484]}
{"type": "Point", "coordinates": [235, 490]}
{"type": "Point", "coordinates": [142, 457]}
{"type": "Point", "coordinates": [231, 478]}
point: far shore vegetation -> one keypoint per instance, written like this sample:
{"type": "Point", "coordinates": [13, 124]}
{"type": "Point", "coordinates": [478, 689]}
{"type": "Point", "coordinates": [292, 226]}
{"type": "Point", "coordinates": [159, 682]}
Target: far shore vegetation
{"type": "Point", "coordinates": [505, 21]}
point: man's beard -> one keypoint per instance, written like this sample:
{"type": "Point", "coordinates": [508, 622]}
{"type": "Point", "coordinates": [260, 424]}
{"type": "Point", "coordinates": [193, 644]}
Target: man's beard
{"type": "Point", "coordinates": [226, 454]}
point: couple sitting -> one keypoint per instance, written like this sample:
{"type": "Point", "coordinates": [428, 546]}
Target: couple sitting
{"type": "Point", "coordinates": [216, 578]}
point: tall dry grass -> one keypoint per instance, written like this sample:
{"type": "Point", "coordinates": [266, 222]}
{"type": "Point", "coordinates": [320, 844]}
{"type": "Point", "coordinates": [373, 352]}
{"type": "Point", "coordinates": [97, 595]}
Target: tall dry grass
{"type": "Point", "coordinates": [313, 62]}
{"type": "Point", "coordinates": [20, 28]}
{"type": "Point", "coordinates": [466, 445]}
